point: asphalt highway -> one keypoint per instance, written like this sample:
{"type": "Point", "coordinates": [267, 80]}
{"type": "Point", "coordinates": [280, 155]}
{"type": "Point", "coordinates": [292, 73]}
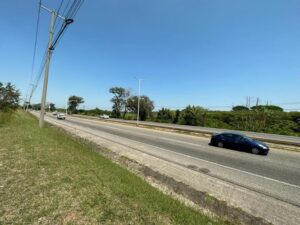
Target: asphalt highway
{"type": "Point", "coordinates": [276, 175]}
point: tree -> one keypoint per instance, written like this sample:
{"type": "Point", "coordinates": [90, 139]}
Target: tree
{"type": "Point", "coordinates": [52, 107]}
{"type": "Point", "coordinates": [146, 106]}
{"type": "Point", "coordinates": [193, 115]}
{"type": "Point", "coordinates": [36, 106]}
{"type": "Point", "coordinates": [240, 108]}
{"type": "Point", "coordinates": [165, 115]}
{"type": "Point", "coordinates": [73, 102]}
{"type": "Point", "coordinates": [119, 100]}
{"type": "Point", "coordinates": [177, 114]}
{"type": "Point", "coordinates": [9, 96]}
{"type": "Point", "coordinates": [267, 107]}
{"type": "Point", "coordinates": [295, 116]}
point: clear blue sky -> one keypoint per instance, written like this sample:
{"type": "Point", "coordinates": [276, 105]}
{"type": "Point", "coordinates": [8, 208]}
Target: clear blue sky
{"type": "Point", "coordinates": [202, 52]}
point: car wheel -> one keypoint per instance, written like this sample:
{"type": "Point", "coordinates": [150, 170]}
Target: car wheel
{"type": "Point", "coordinates": [255, 151]}
{"type": "Point", "coordinates": [220, 145]}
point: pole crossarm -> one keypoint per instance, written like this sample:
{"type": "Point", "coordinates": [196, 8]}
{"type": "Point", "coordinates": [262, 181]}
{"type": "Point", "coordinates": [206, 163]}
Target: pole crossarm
{"type": "Point", "coordinates": [52, 10]}
{"type": "Point", "coordinates": [67, 21]}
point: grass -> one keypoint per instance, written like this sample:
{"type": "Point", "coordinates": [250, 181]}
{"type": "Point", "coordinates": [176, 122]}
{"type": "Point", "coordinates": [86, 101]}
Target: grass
{"type": "Point", "coordinates": [49, 178]}
{"type": "Point", "coordinates": [5, 117]}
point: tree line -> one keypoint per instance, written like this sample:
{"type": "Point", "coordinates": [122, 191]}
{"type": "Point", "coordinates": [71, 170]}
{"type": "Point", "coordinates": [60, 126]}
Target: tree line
{"type": "Point", "coordinates": [123, 102]}
{"type": "Point", "coordinates": [259, 118]}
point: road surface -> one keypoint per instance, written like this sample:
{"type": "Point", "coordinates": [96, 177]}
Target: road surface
{"type": "Point", "coordinates": [276, 138]}
{"type": "Point", "coordinates": [281, 166]}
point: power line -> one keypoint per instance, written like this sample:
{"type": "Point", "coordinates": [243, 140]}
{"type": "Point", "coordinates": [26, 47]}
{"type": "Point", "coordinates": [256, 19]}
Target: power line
{"type": "Point", "coordinates": [66, 23]}
{"type": "Point", "coordinates": [71, 9]}
{"type": "Point", "coordinates": [63, 14]}
{"type": "Point", "coordinates": [39, 75]}
{"type": "Point", "coordinates": [69, 12]}
{"type": "Point", "coordinates": [58, 11]}
{"type": "Point", "coordinates": [288, 103]}
{"type": "Point", "coordinates": [36, 38]}
{"type": "Point", "coordinates": [67, 5]}
{"type": "Point", "coordinates": [35, 45]}
{"type": "Point", "coordinates": [77, 9]}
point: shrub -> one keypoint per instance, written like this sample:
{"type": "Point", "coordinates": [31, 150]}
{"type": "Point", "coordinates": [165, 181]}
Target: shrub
{"type": "Point", "coordinates": [240, 108]}
{"type": "Point", "coordinates": [193, 115]}
{"type": "Point", "coordinates": [165, 115]}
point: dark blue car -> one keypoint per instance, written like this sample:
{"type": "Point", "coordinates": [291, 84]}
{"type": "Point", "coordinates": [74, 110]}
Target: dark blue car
{"type": "Point", "coordinates": [239, 142]}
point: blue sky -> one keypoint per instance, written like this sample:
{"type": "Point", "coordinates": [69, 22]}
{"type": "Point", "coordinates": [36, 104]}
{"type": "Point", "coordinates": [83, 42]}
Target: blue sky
{"type": "Point", "coordinates": [211, 53]}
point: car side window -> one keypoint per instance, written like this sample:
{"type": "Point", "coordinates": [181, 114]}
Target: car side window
{"type": "Point", "coordinates": [235, 138]}
{"type": "Point", "coordinates": [241, 139]}
{"type": "Point", "coordinates": [238, 138]}
{"type": "Point", "coordinates": [228, 137]}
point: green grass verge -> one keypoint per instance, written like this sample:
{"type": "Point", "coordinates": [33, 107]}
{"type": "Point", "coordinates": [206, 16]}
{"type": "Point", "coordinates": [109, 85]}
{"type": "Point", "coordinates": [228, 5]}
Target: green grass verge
{"type": "Point", "coordinates": [49, 178]}
{"type": "Point", "coordinates": [5, 117]}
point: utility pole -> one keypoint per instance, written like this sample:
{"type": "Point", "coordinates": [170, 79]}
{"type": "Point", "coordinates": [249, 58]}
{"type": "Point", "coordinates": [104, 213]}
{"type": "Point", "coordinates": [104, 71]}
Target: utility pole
{"type": "Point", "coordinates": [67, 106]}
{"type": "Point", "coordinates": [30, 96]}
{"type": "Point", "coordinates": [51, 46]}
{"type": "Point", "coordinates": [248, 101]}
{"type": "Point", "coordinates": [49, 51]}
{"type": "Point", "coordinates": [138, 112]}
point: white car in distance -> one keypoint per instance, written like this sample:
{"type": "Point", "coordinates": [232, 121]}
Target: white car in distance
{"type": "Point", "coordinates": [61, 116]}
{"type": "Point", "coordinates": [104, 116]}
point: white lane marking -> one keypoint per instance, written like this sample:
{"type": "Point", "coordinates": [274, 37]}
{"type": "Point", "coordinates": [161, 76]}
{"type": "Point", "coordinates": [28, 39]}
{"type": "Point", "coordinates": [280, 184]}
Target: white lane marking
{"type": "Point", "coordinates": [181, 142]}
{"type": "Point", "coordinates": [227, 167]}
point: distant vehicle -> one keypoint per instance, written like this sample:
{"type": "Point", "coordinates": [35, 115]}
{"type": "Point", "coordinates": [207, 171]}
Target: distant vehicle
{"type": "Point", "coordinates": [61, 116]}
{"type": "Point", "coordinates": [54, 113]}
{"type": "Point", "coordinates": [104, 116]}
{"type": "Point", "coordinates": [239, 142]}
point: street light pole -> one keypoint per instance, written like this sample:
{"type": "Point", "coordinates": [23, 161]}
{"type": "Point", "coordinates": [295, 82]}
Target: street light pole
{"type": "Point", "coordinates": [138, 111]}
{"type": "Point", "coordinates": [49, 51]}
